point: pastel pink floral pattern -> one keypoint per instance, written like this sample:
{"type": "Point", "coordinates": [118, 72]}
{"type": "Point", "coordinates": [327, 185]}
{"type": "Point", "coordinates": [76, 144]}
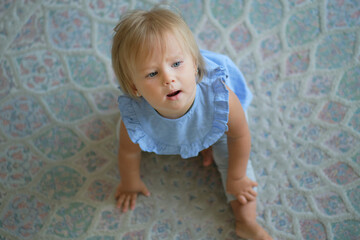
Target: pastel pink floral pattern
{"type": "Point", "coordinates": [58, 118]}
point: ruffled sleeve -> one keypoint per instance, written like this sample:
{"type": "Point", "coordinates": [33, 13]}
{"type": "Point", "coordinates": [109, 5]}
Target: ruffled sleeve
{"type": "Point", "coordinates": [215, 109]}
{"type": "Point", "coordinates": [220, 115]}
{"type": "Point", "coordinates": [130, 118]}
{"type": "Point", "coordinates": [235, 79]}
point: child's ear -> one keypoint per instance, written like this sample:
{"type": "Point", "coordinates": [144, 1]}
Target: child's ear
{"type": "Point", "coordinates": [196, 69]}
{"type": "Point", "coordinates": [135, 91]}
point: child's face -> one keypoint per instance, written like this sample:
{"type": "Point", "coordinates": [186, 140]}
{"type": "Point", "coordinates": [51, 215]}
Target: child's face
{"type": "Point", "coordinates": [166, 79]}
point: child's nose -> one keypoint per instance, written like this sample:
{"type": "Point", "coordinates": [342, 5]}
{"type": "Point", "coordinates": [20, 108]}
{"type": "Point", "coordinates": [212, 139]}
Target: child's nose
{"type": "Point", "coordinates": [168, 81]}
{"type": "Point", "coordinates": [168, 78]}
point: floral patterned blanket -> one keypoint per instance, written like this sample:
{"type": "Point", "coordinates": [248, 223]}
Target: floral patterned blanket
{"type": "Point", "coordinates": [58, 115]}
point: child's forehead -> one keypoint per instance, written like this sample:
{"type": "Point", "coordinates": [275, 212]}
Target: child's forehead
{"type": "Point", "coordinates": [168, 45]}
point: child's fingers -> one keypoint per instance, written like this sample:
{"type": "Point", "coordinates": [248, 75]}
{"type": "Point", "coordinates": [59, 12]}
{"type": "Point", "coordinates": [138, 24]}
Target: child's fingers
{"type": "Point", "coordinates": [127, 200]}
{"type": "Point", "coordinates": [241, 198]}
{"type": "Point", "coordinates": [254, 184]}
{"type": "Point", "coordinates": [253, 192]}
{"type": "Point", "coordinates": [120, 199]}
{"type": "Point", "coordinates": [249, 197]}
{"type": "Point", "coordinates": [146, 192]}
{"type": "Point", "coordinates": [133, 201]}
{"type": "Point", "coordinates": [123, 202]}
{"type": "Point", "coordinates": [127, 203]}
{"type": "Point", "coordinates": [246, 197]}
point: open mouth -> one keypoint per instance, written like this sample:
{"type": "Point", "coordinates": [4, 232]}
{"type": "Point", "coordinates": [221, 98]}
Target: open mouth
{"type": "Point", "coordinates": [173, 93]}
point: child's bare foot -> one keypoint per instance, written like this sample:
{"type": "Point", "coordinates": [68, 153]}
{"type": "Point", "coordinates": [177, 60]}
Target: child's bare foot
{"type": "Point", "coordinates": [207, 157]}
{"type": "Point", "coordinates": [246, 225]}
{"type": "Point", "coordinates": [255, 231]}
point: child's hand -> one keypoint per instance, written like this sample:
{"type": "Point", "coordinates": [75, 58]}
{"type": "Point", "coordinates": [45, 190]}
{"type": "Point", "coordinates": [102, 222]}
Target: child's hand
{"type": "Point", "coordinates": [242, 189]}
{"type": "Point", "coordinates": [126, 196]}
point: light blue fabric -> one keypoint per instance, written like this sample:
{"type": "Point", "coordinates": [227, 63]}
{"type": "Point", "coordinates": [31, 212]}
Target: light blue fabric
{"type": "Point", "coordinates": [203, 125]}
{"type": "Point", "coordinates": [234, 78]}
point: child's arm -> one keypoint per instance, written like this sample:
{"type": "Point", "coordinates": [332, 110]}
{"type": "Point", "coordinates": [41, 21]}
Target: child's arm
{"type": "Point", "coordinates": [239, 145]}
{"type": "Point", "coordinates": [129, 157]}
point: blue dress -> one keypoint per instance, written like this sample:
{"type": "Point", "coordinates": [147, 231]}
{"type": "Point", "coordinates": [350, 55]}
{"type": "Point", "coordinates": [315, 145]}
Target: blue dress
{"type": "Point", "coordinates": [201, 126]}
{"type": "Point", "coordinates": [204, 125]}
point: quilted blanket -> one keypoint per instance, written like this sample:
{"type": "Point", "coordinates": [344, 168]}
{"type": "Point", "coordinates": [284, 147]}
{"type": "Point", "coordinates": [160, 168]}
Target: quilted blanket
{"type": "Point", "coordinates": [58, 115]}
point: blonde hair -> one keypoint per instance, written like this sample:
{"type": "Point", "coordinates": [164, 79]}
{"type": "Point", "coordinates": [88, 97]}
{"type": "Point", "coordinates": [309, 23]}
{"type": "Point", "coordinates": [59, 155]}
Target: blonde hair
{"type": "Point", "coordinates": [136, 34]}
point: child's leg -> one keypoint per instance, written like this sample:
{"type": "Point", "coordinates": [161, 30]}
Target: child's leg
{"type": "Point", "coordinates": [246, 225]}
{"type": "Point", "coordinates": [221, 158]}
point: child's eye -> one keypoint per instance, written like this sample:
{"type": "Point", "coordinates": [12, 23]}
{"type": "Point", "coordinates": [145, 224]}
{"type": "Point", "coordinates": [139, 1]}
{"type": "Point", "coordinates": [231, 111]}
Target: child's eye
{"type": "Point", "coordinates": [177, 64]}
{"type": "Point", "coordinates": [151, 75]}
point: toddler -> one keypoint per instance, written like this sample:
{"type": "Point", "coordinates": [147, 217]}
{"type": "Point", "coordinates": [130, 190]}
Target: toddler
{"type": "Point", "coordinates": [180, 100]}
